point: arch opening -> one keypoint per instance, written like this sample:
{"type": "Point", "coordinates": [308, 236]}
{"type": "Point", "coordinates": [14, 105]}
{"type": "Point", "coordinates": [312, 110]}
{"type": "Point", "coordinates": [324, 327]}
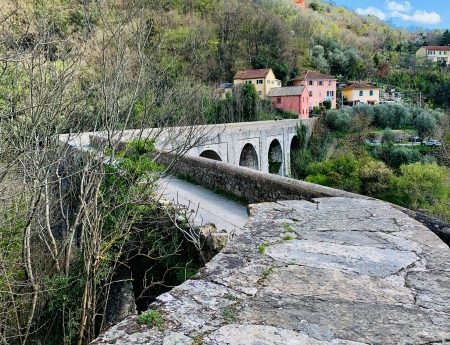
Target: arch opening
{"type": "Point", "coordinates": [210, 154]}
{"type": "Point", "coordinates": [293, 155]}
{"type": "Point", "coordinates": [275, 158]}
{"type": "Point", "coordinates": [249, 157]}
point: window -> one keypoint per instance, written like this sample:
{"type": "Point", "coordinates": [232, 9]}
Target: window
{"type": "Point", "coordinates": [330, 93]}
{"type": "Point", "coordinates": [361, 93]}
{"type": "Point", "coordinates": [260, 93]}
{"type": "Point", "coordinates": [320, 82]}
{"type": "Point", "coordinates": [259, 81]}
{"type": "Point", "coordinates": [310, 82]}
{"type": "Point", "coordinates": [278, 100]}
{"type": "Point", "coordinates": [371, 92]}
{"type": "Point", "coordinates": [310, 93]}
{"type": "Point", "coordinates": [248, 81]}
{"type": "Point", "coordinates": [430, 52]}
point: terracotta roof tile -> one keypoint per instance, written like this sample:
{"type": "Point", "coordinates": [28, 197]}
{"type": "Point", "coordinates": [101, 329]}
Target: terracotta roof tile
{"type": "Point", "coordinates": [314, 75]}
{"type": "Point", "coordinates": [252, 74]}
{"type": "Point", "coordinates": [286, 91]}
{"type": "Point", "coordinates": [360, 85]}
{"type": "Point", "coordinates": [438, 48]}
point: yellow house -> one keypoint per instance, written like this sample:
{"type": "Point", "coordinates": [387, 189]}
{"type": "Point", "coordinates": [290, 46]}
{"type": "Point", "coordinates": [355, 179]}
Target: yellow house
{"type": "Point", "coordinates": [361, 93]}
{"type": "Point", "coordinates": [263, 79]}
{"type": "Point", "coordinates": [434, 53]}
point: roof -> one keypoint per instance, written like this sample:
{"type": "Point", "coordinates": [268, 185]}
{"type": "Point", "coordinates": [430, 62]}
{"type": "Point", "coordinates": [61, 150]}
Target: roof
{"type": "Point", "coordinates": [252, 73]}
{"type": "Point", "coordinates": [360, 85]}
{"type": "Point", "coordinates": [286, 91]}
{"type": "Point", "coordinates": [438, 48]}
{"type": "Point", "coordinates": [315, 75]}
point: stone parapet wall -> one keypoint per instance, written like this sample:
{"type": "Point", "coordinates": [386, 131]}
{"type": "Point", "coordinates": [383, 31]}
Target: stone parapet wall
{"type": "Point", "coordinates": [256, 186]}
{"type": "Point", "coordinates": [251, 185]}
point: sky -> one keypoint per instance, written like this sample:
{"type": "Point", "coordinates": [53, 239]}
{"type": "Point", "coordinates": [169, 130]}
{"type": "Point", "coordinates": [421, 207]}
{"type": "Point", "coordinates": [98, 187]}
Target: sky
{"type": "Point", "coordinates": [430, 14]}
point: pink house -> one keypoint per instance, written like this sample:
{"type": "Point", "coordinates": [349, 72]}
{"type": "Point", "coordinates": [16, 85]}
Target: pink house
{"type": "Point", "coordinates": [321, 87]}
{"type": "Point", "coordinates": [293, 98]}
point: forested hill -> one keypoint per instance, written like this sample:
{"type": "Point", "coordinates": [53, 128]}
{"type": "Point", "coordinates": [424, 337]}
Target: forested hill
{"type": "Point", "coordinates": [207, 41]}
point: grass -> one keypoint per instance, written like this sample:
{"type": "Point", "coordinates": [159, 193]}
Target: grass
{"type": "Point", "coordinates": [151, 318]}
{"type": "Point", "coordinates": [230, 315]}
{"type": "Point", "coordinates": [262, 248]}
{"type": "Point", "coordinates": [198, 340]}
{"type": "Point", "coordinates": [288, 238]}
{"type": "Point", "coordinates": [288, 227]}
{"type": "Point", "coordinates": [266, 272]}
{"type": "Point", "coordinates": [231, 297]}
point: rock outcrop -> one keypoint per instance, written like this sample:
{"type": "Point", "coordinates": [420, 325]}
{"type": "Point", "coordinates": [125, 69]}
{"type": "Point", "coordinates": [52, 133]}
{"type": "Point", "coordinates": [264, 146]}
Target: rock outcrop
{"type": "Point", "coordinates": [333, 271]}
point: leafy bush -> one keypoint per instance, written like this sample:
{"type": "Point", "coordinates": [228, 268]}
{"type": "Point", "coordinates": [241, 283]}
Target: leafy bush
{"type": "Point", "coordinates": [375, 177]}
{"type": "Point", "coordinates": [403, 155]}
{"type": "Point", "coordinates": [421, 186]}
{"type": "Point", "coordinates": [388, 136]}
{"type": "Point", "coordinates": [341, 172]}
{"type": "Point", "coordinates": [425, 124]}
{"type": "Point", "coordinates": [339, 120]}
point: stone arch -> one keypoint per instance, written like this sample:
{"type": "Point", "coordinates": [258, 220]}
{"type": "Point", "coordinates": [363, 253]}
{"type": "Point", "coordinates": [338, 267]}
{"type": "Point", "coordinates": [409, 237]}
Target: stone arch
{"type": "Point", "coordinates": [275, 157]}
{"type": "Point", "coordinates": [295, 147]}
{"type": "Point", "coordinates": [249, 157]}
{"type": "Point", "coordinates": [210, 154]}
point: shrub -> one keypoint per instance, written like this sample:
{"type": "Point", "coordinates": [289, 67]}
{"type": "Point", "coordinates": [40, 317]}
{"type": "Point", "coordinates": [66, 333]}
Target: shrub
{"type": "Point", "coordinates": [341, 172]}
{"type": "Point", "coordinates": [423, 186]}
{"type": "Point", "coordinates": [375, 177]}
{"type": "Point", "coordinates": [392, 116]}
{"type": "Point", "coordinates": [425, 124]}
{"type": "Point", "coordinates": [403, 155]}
{"type": "Point", "coordinates": [395, 156]}
{"type": "Point", "coordinates": [388, 136]}
{"type": "Point", "coordinates": [339, 120]}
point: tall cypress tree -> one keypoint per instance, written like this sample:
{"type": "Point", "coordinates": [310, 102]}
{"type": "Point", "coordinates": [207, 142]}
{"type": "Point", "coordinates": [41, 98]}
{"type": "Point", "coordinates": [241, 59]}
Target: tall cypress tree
{"type": "Point", "coordinates": [445, 39]}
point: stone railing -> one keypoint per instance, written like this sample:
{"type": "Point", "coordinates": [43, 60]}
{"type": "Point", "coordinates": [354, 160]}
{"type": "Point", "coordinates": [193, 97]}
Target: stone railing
{"type": "Point", "coordinates": [255, 186]}
{"type": "Point", "coordinates": [251, 185]}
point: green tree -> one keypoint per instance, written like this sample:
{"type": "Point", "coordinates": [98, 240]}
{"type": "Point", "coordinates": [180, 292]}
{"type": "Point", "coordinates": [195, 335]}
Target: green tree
{"type": "Point", "coordinates": [425, 124]}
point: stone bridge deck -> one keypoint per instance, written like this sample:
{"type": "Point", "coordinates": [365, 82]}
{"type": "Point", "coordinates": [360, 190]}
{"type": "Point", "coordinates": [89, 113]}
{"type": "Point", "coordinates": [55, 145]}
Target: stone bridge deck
{"type": "Point", "coordinates": [337, 271]}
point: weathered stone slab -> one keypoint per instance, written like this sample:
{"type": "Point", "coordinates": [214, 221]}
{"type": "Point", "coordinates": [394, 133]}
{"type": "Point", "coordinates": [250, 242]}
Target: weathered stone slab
{"type": "Point", "coordinates": [360, 259]}
{"type": "Point", "coordinates": [333, 271]}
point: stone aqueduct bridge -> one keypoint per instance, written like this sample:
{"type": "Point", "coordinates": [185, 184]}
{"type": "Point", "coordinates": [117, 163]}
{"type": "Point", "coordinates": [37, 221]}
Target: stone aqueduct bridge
{"type": "Point", "coordinates": [312, 266]}
{"type": "Point", "coordinates": [263, 145]}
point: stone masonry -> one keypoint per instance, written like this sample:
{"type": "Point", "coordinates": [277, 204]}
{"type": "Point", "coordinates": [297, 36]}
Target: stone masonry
{"type": "Point", "coordinates": [333, 271]}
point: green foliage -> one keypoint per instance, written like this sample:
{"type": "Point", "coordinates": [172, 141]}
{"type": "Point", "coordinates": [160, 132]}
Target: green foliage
{"type": "Point", "coordinates": [395, 156]}
{"type": "Point", "coordinates": [425, 124]}
{"type": "Point", "coordinates": [151, 318]}
{"type": "Point", "coordinates": [341, 172]}
{"type": "Point", "coordinates": [388, 136]}
{"type": "Point", "coordinates": [339, 120]}
{"type": "Point", "coordinates": [375, 177]}
{"type": "Point", "coordinates": [288, 238]}
{"type": "Point", "coordinates": [420, 186]}
{"type": "Point", "coordinates": [392, 116]}
{"type": "Point", "coordinates": [262, 248]}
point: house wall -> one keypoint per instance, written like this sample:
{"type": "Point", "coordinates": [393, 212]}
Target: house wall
{"type": "Point", "coordinates": [353, 95]}
{"type": "Point", "coordinates": [268, 83]}
{"type": "Point", "coordinates": [435, 55]}
{"type": "Point", "coordinates": [295, 104]}
{"type": "Point", "coordinates": [318, 93]}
